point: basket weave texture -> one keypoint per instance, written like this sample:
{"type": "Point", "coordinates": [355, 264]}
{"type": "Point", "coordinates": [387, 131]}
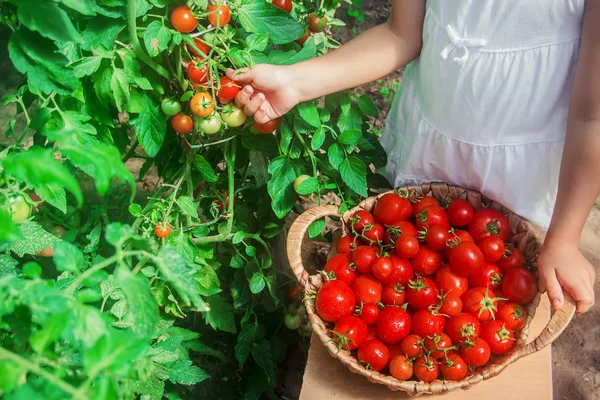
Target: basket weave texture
{"type": "Point", "coordinates": [522, 236]}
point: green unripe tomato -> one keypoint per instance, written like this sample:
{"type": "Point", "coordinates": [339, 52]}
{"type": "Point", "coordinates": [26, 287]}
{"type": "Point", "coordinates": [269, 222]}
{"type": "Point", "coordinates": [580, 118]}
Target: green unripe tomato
{"type": "Point", "coordinates": [170, 107]}
{"type": "Point", "coordinates": [292, 321]}
{"type": "Point", "coordinates": [233, 116]}
{"type": "Point", "coordinates": [306, 329]}
{"type": "Point", "coordinates": [299, 181]}
{"type": "Point", "coordinates": [210, 125]}
{"type": "Point", "coordinates": [20, 210]}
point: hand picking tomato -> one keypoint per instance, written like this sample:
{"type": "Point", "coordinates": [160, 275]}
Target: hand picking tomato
{"type": "Point", "coordinates": [393, 295]}
{"type": "Point", "coordinates": [218, 16]}
{"type": "Point", "coordinates": [335, 300]}
{"type": "Point", "coordinates": [201, 45]}
{"type": "Point", "coordinates": [197, 71]}
{"type": "Point", "coordinates": [229, 89]}
{"type": "Point", "coordinates": [346, 244]}
{"type": "Point", "coordinates": [431, 216]}
{"type": "Point", "coordinates": [369, 312]}
{"type": "Point", "coordinates": [340, 266]}
{"type": "Point", "coordinates": [317, 24]}
{"type": "Point", "coordinates": [424, 323]}
{"type": "Point", "coordinates": [364, 257]}
{"type": "Point", "coordinates": [233, 116]}
{"type": "Point", "coordinates": [392, 208]}
{"type": "Point", "coordinates": [512, 258]}
{"type": "Point", "coordinates": [450, 281]}
{"type": "Point", "coordinates": [426, 262]}
{"type": "Point", "coordinates": [382, 268]}
{"type": "Point", "coordinates": [367, 289]}
{"type": "Point", "coordinates": [401, 368]}
{"type": "Point", "coordinates": [426, 369]}
{"type": "Point", "coordinates": [476, 353]}
{"type": "Point", "coordinates": [436, 343]}
{"type": "Point", "coordinates": [360, 219]}
{"type": "Point", "coordinates": [170, 107]}
{"type": "Point", "coordinates": [519, 286]}
{"type": "Point", "coordinates": [463, 327]}
{"type": "Point", "coordinates": [202, 104]}
{"type": "Point", "coordinates": [183, 20]}
{"type": "Point", "coordinates": [467, 259]}
{"type": "Point", "coordinates": [407, 246]}
{"type": "Point", "coordinates": [436, 238]}
{"type": "Point", "coordinates": [460, 212]}
{"type": "Point", "coordinates": [454, 368]}
{"type": "Point", "coordinates": [490, 277]}
{"type": "Point", "coordinates": [302, 39]}
{"type": "Point", "coordinates": [268, 127]}
{"type": "Point", "coordinates": [350, 332]}
{"type": "Point", "coordinates": [182, 123]}
{"type": "Point", "coordinates": [488, 222]}
{"type": "Point", "coordinates": [500, 339]}
{"type": "Point", "coordinates": [402, 272]}
{"type": "Point", "coordinates": [451, 304]}
{"type": "Point", "coordinates": [421, 293]}
{"type": "Point", "coordinates": [372, 234]}
{"type": "Point", "coordinates": [480, 302]}
{"type": "Point", "coordinates": [492, 248]}
{"type": "Point", "coordinates": [393, 325]}
{"type": "Point", "coordinates": [285, 5]}
{"type": "Point", "coordinates": [162, 230]}
{"type": "Point", "coordinates": [513, 315]}
{"type": "Point", "coordinates": [374, 354]}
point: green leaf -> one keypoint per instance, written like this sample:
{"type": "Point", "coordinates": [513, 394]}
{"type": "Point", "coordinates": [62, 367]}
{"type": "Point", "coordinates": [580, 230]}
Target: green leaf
{"type": "Point", "coordinates": [367, 106]}
{"type": "Point", "coordinates": [156, 38]}
{"type": "Point", "coordinates": [350, 137]}
{"type": "Point", "coordinates": [248, 336]}
{"type": "Point", "coordinates": [101, 31]}
{"type": "Point", "coordinates": [8, 265]}
{"type": "Point", "coordinates": [318, 139]}
{"type": "Point", "coordinates": [261, 351]}
{"type": "Point", "coordinates": [335, 154]}
{"type": "Point", "coordinates": [47, 18]}
{"type": "Point", "coordinates": [135, 210]}
{"type": "Point", "coordinates": [119, 83]}
{"type": "Point", "coordinates": [187, 205]}
{"type": "Point", "coordinates": [8, 229]}
{"type": "Point", "coordinates": [114, 353]}
{"type": "Point", "coordinates": [34, 238]}
{"type": "Point", "coordinates": [284, 172]}
{"type": "Point", "coordinates": [354, 174]}
{"type": "Point", "coordinates": [150, 127]}
{"type": "Point", "coordinates": [81, 6]}
{"type": "Point", "coordinates": [53, 194]}
{"type": "Point", "coordinates": [32, 270]}
{"type": "Point", "coordinates": [308, 186]}
{"type": "Point", "coordinates": [45, 68]}
{"type": "Point", "coordinates": [53, 328]}
{"type": "Point", "coordinates": [220, 316]}
{"type": "Point", "coordinates": [351, 119]}
{"type": "Point", "coordinates": [257, 283]}
{"type": "Point", "coordinates": [86, 325]}
{"type": "Point", "coordinates": [257, 42]}
{"type": "Point", "coordinates": [316, 228]}
{"type": "Point", "coordinates": [237, 261]}
{"type": "Point", "coordinates": [208, 280]}
{"type": "Point", "coordinates": [206, 170]}
{"type": "Point", "coordinates": [11, 375]}
{"type": "Point", "coordinates": [179, 272]}
{"type": "Point", "coordinates": [258, 16]}
{"type": "Point", "coordinates": [184, 372]}
{"type": "Point", "coordinates": [86, 66]}
{"type": "Point", "coordinates": [238, 237]}
{"type": "Point", "coordinates": [142, 306]}
{"type": "Point", "coordinates": [309, 113]}
{"type": "Point", "coordinates": [251, 251]}
{"type": "Point", "coordinates": [67, 257]}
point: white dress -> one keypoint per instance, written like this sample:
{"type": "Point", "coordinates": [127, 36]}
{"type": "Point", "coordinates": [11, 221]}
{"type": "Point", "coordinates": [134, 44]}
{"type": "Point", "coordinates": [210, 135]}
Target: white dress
{"type": "Point", "coordinates": [485, 105]}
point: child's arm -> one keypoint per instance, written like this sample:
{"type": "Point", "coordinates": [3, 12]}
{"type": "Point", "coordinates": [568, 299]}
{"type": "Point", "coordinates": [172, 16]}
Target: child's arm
{"type": "Point", "coordinates": [560, 262]}
{"type": "Point", "coordinates": [274, 90]}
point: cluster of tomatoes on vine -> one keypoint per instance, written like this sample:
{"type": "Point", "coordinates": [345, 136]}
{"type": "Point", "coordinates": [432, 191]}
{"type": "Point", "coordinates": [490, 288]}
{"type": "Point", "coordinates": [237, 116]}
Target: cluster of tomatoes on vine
{"type": "Point", "coordinates": [425, 290]}
{"type": "Point", "coordinates": [203, 104]}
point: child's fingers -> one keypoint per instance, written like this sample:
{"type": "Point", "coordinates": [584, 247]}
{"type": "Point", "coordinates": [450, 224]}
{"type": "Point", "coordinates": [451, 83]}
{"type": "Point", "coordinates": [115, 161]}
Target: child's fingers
{"type": "Point", "coordinates": [261, 115]}
{"type": "Point", "coordinates": [243, 97]}
{"type": "Point", "coordinates": [254, 104]}
{"type": "Point", "coordinates": [244, 75]}
{"type": "Point", "coordinates": [552, 286]}
{"type": "Point", "coordinates": [583, 295]}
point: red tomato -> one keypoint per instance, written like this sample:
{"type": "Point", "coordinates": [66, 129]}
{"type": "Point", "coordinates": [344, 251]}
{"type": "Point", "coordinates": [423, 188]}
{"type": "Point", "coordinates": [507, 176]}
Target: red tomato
{"type": "Point", "coordinates": [229, 89]}
{"type": "Point", "coordinates": [431, 216]}
{"type": "Point", "coordinates": [488, 222]}
{"type": "Point", "coordinates": [391, 208]}
{"type": "Point", "coordinates": [401, 368]}
{"type": "Point", "coordinates": [436, 238]}
{"type": "Point", "coordinates": [182, 124]}
{"type": "Point", "coordinates": [334, 301]}
{"type": "Point", "coordinates": [371, 332]}
{"type": "Point", "coordinates": [393, 295]}
{"type": "Point", "coordinates": [412, 346]}
{"type": "Point", "coordinates": [449, 281]}
{"type": "Point", "coordinates": [480, 302]}
{"type": "Point", "coordinates": [268, 127]}
{"type": "Point", "coordinates": [382, 268]}
{"type": "Point", "coordinates": [364, 257]}
{"type": "Point", "coordinates": [500, 339]}
{"type": "Point", "coordinates": [463, 327]}
{"type": "Point", "coordinates": [460, 212]}
{"type": "Point", "coordinates": [162, 230]}
{"type": "Point", "coordinates": [475, 353]}
{"type": "Point", "coordinates": [360, 219]}
{"type": "Point", "coordinates": [513, 315]}
{"type": "Point", "coordinates": [393, 325]}
{"type": "Point", "coordinates": [426, 369]}
{"type": "Point", "coordinates": [197, 71]}
{"type": "Point", "coordinates": [426, 201]}
{"type": "Point", "coordinates": [492, 248]}
{"type": "Point", "coordinates": [285, 5]}
{"type": "Point", "coordinates": [519, 286]}
{"type": "Point", "coordinates": [346, 244]}
{"type": "Point", "coordinates": [393, 231]}
{"type": "Point", "coordinates": [402, 272]}
{"type": "Point", "coordinates": [367, 289]}
{"type": "Point", "coordinates": [451, 304]}
{"type": "Point", "coordinates": [436, 342]}
{"type": "Point", "coordinates": [372, 234]}
{"type": "Point", "coordinates": [218, 16]}
{"type": "Point", "coordinates": [183, 20]}
{"type": "Point", "coordinates": [426, 262]}
{"type": "Point", "coordinates": [421, 293]}
{"type": "Point", "coordinates": [350, 332]}
{"type": "Point", "coordinates": [490, 277]}
{"type": "Point", "coordinates": [407, 246]}
{"type": "Point", "coordinates": [375, 354]}
{"type": "Point", "coordinates": [395, 350]}
{"type": "Point", "coordinates": [294, 293]}
{"type": "Point", "coordinates": [456, 238]}
{"type": "Point", "coordinates": [317, 23]}
{"type": "Point", "coordinates": [201, 45]}
{"type": "Point", "coordinates": [302, 39]}
{"type": "Point", "coordinates": [340, 266]}
{"type": "Point", "coordinates": [424, 323]}
{"type": "Point", "coordinates": [369, 313]}
{"type": "Point", "coordinates": [512, 258]}
{"type": "Point", "coordinates": [454, 368]}
{"type": "Point", "coordinates": [467, 259]}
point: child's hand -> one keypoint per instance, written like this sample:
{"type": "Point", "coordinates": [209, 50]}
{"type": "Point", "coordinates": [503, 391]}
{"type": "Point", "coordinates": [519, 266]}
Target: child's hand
{"type": "Point", "coordinates": [269, 92]}
{"type": "Point", "coordinates": [564, 266]}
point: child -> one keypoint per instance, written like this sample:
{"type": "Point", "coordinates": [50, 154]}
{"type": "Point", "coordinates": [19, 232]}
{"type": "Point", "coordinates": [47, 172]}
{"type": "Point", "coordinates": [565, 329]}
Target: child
{"type": "Point", "coordinates": [484, 104]}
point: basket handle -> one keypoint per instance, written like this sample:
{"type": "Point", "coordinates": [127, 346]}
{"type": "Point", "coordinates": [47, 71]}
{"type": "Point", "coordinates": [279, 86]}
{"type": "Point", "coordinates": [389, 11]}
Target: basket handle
{"type": "Point", "coordinates": [296, 236]}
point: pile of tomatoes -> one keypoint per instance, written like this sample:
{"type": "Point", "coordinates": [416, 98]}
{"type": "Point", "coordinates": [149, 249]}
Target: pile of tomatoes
{"type": "Point", "coordinates": [426, 290]}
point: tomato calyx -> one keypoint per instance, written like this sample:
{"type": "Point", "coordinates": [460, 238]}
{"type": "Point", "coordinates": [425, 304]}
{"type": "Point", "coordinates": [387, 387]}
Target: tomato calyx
{"type": "Point", "coordinates": [428, 363]}
{"type": "Point", "coordinates": [493, 228]}
{"type": "Point", "coordinates": [489, 304]}
{"type": "Point", "coordinates": [445, 202]}
{"type": "Point", "coordinates": [422, 216]}
{"type": "Point", "coordinates": [366, 365]}
{"type": "Point", "coordinates": [341, 340]}
{"type": "Point", "coordinates": [393, 232]}
{"type": "Point", "coordinates": [418, 284]}
{"type": "Point", "coordinates": [496, 279]}
{"type": "Point", "coordinates": [505, 334]}
{"type": "Point", "coordinates": [468, 331]}
{"type": "Point", "coordinates": [401, 192]}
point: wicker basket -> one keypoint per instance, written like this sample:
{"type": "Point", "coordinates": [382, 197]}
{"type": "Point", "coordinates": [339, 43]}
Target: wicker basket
{"type": "Point", "coordinates": [522, 236]}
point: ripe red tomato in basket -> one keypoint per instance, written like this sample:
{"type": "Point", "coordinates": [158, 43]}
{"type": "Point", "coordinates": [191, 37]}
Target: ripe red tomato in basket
{"type": "Point", "coordinates": [467, 259]}
{"type": "Point", "coordinates": [436, 342]}
{"type": "Point", "coordinates": [402, 272]}
{"type": "Point", "coordinates": [373, 233]}
{"type": "Point", "coordinates": [500, 339]}
{"type": "Point", "coordinates": [407, 246]}
{"type": "Point", "coordinates": [369, 312]}
{"type": "Point", "coordinates": [412, 346]}
{"type": "Point", "coordinates": [364, 257]}
{"type": "Point", "coordinates": [431, 216]}
{"type": "Point", "coordinates": [454, 368]}
{"type": "Point", "coordinates": [463, 327]}
{"type": "Point", "coordinates": [401, 368]}
{"type": "Point", "coordinates": [346, 244]}
{"type": "Point", "coordinates": [480, 302]}
{"type": "Point", "coordinates": [424, 323]}
{"type": "Point", "coordinates": [367, 289]}
{"type": "Point", "coordinates": [382, 268]}
{"type": "Point", "coordinates": [393, 295]}
{"type": "Point", "coordinates": [492, 248]}
{"type": "Point", "coordinates": [421, 293]}
{"type": "Point", "coordinates": [393, 325]}
{"type": "Point", "coordinates": [450, 281]}
{"type": "Point", "coordinates": [427, 369]}
{"type": "Point", "coordinates": [426, 201]}
{"type": "Point", "coordinates": [335, 300]}
{"type": "Point", "coordinates": [374, 353]}
{"type": "Point", "coordinates": [426, 262]}
{"type": "Point", "coordinates": [392, 208]}
{"type": "Point", "coordinates": [513, 315]}
{"type": "Point", "coordinates": [490, 276]}
{"type": "Point", "coordinates": [451, 304]}
{"type": "Point", "coordinates": [350, 332]}
{"type": "Point", "coordinates": [436, 238]}
{"type": "Point", "coordinates": [360, 219]}
{"type": "Point", "coordinates": [512, 258]}
{"type": "Point", "coordinates": [488, 222]}
{"type": "Point", "coordinates": [340, 265]}
{"type": "Point", "coordinates": [519, 286]}
{"type": "Point", "coordinates": [393, 231]}
{"type": "Point", "coordinates": [476, 353]}
{"type": "Point", "coordinates": [460, 212]}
